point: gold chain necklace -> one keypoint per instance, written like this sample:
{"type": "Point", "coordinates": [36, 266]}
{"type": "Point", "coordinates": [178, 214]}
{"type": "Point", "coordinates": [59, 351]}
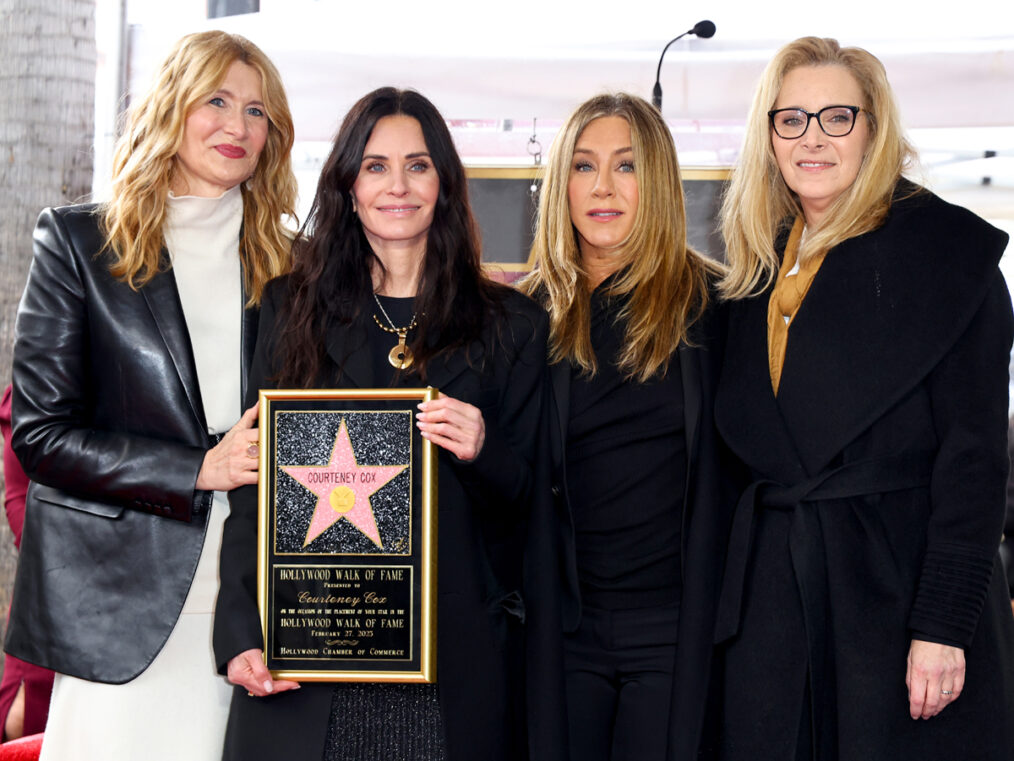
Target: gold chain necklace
{"type": "Point", "coordinates": [400, 356]}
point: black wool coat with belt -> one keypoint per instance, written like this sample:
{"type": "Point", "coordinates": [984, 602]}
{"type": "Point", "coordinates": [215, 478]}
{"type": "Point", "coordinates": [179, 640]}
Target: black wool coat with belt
{"type": "Point", "coordinates": [877, 497]}
{"type": "Point", "coordinates": [109, 426]}
{"type": "Point", "coordinates": [483, 507]}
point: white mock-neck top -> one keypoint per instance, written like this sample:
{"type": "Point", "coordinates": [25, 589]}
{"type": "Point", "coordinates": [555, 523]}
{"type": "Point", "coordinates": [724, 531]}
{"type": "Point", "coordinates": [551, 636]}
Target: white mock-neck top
{"type": "Point", "coordinates": [202, 236]}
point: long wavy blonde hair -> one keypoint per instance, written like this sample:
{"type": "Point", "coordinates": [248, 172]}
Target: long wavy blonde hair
{"type": "Point", "coordinates": [664, 277]}
{"type": "Point", "coordinates": [144, 164]}
{"type": "Point", "coordinates": [758, 205]}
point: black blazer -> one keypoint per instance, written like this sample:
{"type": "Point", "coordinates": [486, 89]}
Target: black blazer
{"type": "Point", "coordinates": [482, 509]}
{"type": "Point", "coordinates": [708, 502]}
{"type": "Point", "coordinates": [109, 426]}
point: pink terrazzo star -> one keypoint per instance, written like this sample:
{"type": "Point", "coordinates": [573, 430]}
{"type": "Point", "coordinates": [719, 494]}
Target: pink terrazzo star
{"type": "Point", "coordinates": [343, 489]}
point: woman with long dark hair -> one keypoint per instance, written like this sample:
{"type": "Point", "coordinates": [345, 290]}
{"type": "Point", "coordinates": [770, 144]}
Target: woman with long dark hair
{"type": "Point", "coordinates": [387, 290]}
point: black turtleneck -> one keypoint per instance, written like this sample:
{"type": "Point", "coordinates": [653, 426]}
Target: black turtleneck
{"type": "Point", "coordinates": [626, 472]}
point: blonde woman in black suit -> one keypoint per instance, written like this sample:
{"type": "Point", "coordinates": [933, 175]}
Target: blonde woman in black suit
{"type": "Point", "coordinates": [633, 353]}
{"type": "Point", "coordinates": [132, 344]}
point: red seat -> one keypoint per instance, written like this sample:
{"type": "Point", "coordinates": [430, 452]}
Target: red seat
{"type": "Point", "coordinates": [22, 749]}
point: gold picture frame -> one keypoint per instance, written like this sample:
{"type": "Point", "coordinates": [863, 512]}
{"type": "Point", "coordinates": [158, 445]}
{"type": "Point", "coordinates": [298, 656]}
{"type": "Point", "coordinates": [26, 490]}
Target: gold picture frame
{"type": "Point", "coordinates": [347, 536]}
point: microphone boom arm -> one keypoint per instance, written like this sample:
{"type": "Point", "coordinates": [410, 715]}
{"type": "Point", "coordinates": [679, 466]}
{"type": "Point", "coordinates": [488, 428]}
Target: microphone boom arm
{"type": "Point", "coordinates": [702, 29]}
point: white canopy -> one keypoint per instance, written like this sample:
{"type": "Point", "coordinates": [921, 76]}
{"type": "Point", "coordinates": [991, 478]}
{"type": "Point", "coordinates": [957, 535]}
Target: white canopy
{"type": "Point", "coordinates": [492, 68]}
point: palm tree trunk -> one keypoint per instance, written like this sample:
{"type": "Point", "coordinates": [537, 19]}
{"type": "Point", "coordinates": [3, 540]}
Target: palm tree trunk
{"type": "Point", "coordinates": [47, 104]}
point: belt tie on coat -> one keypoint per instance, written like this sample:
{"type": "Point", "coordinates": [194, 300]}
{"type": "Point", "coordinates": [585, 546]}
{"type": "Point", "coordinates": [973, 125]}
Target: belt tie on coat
{"type": "Point", "coordinates": [809, 565]}
{"type": "Point", "coordinates": [863, 477]}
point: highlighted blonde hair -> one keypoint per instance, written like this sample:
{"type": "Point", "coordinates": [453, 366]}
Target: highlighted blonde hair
{"type": "Point", "coordinates": [759, 206]}
{"type": "Point", "coordinates": [664, 278]}
{"type": "Point", "coordinates": [144, 164]}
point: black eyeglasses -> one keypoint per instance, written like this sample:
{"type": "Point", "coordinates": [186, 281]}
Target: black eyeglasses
{"type": "Point", "coordinates": [792, 123]}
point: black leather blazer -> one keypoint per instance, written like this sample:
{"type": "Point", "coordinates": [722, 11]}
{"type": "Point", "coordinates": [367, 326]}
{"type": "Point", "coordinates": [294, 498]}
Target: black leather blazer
{"type": "Point", "coordinates": [109, 426]}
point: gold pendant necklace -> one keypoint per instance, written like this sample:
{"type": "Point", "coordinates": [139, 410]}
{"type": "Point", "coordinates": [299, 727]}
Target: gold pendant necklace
{"type": "Point", "coordinates": [400, 356]}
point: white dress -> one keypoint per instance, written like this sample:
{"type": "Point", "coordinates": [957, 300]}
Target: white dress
{"type": "Point", "coordinates": [177, 708]}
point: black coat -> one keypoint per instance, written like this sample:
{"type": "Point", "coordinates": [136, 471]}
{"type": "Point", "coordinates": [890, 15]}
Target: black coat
{"type": "Point", "coordinates": [708, 501]}
{"type": "Point", "coordinates": [109, 426]}
{"type": "Point", "coordinates": [482, 508]}
{"type": "Point", "coordinates": [1007, 548]}
{"type": "Point", "coordinates": [877, 498]}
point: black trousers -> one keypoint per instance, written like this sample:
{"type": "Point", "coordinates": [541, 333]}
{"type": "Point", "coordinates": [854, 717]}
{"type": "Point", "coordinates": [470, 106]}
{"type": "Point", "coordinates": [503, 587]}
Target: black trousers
{"type": "Point", "coordinates": [619, 667]}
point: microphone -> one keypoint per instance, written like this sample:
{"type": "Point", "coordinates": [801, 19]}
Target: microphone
{"type": "Point", "coordinates": [702, 29]}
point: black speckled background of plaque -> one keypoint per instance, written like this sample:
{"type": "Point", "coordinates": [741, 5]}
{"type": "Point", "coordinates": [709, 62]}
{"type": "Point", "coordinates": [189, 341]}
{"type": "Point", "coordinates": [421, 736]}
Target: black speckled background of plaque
{"type": "Point", "coordinates": [307, 438]}
{"type": "Point", "coordinates": [341, 603]}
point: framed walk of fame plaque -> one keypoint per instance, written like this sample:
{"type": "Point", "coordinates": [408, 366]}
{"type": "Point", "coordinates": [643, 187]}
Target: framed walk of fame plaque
{"type": "Point", "coordinates": [347, 539]}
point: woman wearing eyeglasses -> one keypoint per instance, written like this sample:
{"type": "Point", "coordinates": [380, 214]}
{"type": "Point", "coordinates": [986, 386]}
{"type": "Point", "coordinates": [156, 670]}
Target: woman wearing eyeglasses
{"type": "Point", "coordinates": [863, 613]}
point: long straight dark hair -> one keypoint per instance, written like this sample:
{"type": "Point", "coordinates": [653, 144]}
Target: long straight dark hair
{"type": "Point", "coordinates": [331, 279]}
